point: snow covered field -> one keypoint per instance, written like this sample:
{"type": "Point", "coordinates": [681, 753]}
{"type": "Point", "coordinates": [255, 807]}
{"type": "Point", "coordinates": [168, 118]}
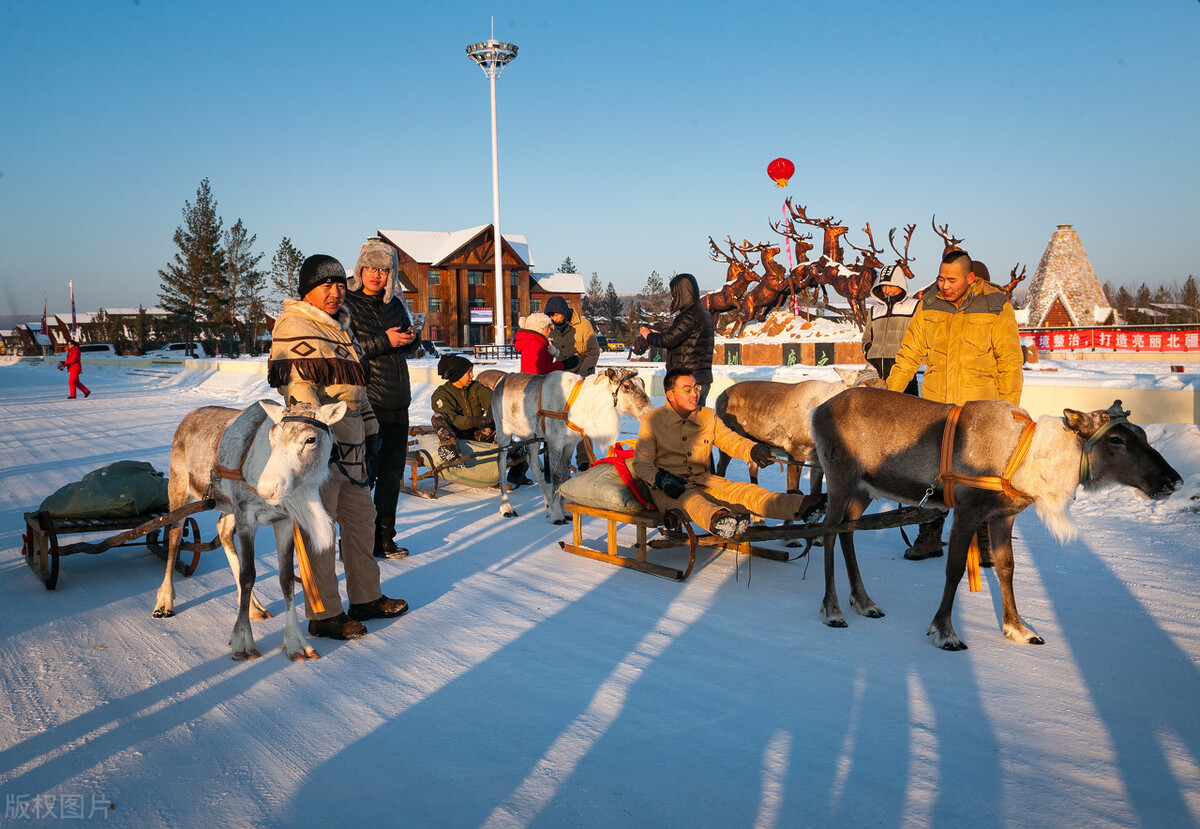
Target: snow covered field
{"type": "Point", "coordinates": [529, 687]}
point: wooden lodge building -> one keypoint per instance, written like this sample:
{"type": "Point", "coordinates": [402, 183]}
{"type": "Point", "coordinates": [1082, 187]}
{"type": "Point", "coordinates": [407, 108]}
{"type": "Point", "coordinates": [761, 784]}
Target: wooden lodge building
{"type": "Point", "coordinates": [450, 277]}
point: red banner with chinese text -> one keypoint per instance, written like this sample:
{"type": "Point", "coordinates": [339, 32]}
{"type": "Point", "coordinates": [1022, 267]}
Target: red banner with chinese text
{"type": "Point", "coordinates": [1116, 339]}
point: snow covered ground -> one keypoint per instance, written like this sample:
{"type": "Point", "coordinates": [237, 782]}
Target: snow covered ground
{"type": "Point", "coordinates": [529, 687]}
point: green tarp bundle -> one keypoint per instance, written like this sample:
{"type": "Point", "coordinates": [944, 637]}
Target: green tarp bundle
{"type": "Point", "coordinates": [124, 489]}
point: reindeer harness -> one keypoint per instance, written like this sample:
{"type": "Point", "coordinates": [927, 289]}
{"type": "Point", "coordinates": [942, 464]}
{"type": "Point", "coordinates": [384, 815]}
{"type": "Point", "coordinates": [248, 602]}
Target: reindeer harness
{"type": "Point", "coordinates": [564, 415]}
{"type": "Point", "coordinates": [306, 575]}
{"type": "Point", "coordinates": [996, 483]}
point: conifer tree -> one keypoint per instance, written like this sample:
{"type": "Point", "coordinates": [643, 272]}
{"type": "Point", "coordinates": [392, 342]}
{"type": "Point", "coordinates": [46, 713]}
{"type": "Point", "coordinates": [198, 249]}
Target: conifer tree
{"type": "Point", "coordinates": [593, 298]}
{"type": "Point", "coordinates": [245, 281]}
{"type": "Point", "coordinates": [567, 266]}
{"type": "Point", "coordinates": [285, 276]}
{"type": "Point", "coordinates": [612, 310]}
{"type": "Point", "coordinates": [193, 284]}
{"type": "Point", "coordinates": [1190, 297]}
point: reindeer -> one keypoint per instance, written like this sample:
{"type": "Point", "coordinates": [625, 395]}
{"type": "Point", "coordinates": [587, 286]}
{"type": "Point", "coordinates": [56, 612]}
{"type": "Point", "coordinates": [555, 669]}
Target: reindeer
{"type": "Point", "coordinates": [901, 461]}
{"type": "Point", "coordinates": [563, 409]}
{"type": "Point", "coordinates": [738, 277]}
{"type": "Point", "coordinates": [904, 262]}
{"type": "Point", "coordinates": [1013, 281]}
{"type": "Point", "coordinates": [828, 267]}
{"type": "Point", "coordinates": [854, 283]}
{"type": "Point", "coordinates": [777, 414]}
{"type": "Point", "coordinates": [765, 295]}
{"type": "Point", "coordinates": [263, 465]}
{"type": "Point", "coordinates": [950, 242]}
{"type": "Point", "coordinates": [803, 242]}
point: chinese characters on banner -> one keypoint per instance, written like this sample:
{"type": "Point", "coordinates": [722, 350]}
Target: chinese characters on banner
{"type": "Point", "coordinates": [1109, 339]}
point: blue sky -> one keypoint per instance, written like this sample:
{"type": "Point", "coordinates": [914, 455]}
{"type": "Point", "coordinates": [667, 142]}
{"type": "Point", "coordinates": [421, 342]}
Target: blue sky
{"type": "Point", "coordinates": [629, 132]}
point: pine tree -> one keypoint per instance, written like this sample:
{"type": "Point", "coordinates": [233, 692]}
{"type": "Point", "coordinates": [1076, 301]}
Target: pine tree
{"type": "Point", "coordinates": [567, 266]}
{"type": "Point", "coordinates": [192, 286]}
{"type": "Point", "coordinates": [245, 280]}
{"type": "Point", "coordinates": [654, 298]}
{"type": "Point", "coordinates": [1190, 296]}
{"type": "Point", "coordinates": [285, 275]}
{"type": "Point", "coordinates": [593, 298]}
{"type": "Point", "coordinates": [611, 306]}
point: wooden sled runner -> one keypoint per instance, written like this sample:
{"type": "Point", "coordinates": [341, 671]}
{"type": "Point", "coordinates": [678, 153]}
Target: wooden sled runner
{"type": "Point", "coordinates": [42, 550]}
{"type": "Point", "coordinates": [679, 533]}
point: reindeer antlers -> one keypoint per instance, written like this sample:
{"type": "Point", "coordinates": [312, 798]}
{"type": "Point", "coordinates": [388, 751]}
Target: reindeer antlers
{"type": "Point", "coordinates": [944, 232]}
{"type": "Point", "coordinates": [908, 234]}
{"type": "Point", "coordinates": [870, 239]}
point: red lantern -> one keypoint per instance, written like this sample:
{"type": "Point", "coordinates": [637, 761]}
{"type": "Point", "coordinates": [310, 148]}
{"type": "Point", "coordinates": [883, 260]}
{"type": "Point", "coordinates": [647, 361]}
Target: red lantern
{"type": "Point", "coordinates": [780, 170]}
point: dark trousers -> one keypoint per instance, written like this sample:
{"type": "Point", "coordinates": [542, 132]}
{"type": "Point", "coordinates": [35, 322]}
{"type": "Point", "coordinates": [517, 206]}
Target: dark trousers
{"type": "Point", "coordinates": [884, 366]}
{"type": "Point", "coordinates": [393, 458]}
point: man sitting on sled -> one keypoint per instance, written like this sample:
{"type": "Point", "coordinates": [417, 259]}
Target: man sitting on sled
{"type": "Point", "coordinates": [462, 408]}
{"type": "Point", "coordinates": [674, 448]}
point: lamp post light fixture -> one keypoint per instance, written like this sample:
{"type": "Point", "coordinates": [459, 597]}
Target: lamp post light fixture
{"type": "Point", "coordinates": [492, 56]}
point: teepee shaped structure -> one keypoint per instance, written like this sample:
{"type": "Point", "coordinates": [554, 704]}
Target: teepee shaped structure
{"type": "Point", "coordinates": [1065, 290]}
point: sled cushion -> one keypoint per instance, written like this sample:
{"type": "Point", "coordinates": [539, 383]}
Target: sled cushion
{"type": "Point", "coordinates": [124, 489]}
{"type": "Point", "coordinates": [477, 471]}
{"type": "Point", "coordinates": [600, 487]}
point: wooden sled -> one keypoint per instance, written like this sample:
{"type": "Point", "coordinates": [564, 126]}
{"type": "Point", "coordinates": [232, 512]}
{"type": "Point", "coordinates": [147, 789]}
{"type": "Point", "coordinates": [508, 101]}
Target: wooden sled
{"type": "Point", "coordinates": [677, 524]}
{"type": "Point", "coordinates": [425, 466]}
{"type": "Point", "coordinates": [42, 550]}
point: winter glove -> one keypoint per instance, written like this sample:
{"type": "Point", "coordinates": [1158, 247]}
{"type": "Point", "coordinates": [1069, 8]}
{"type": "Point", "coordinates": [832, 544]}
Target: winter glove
{"type": "Point", "coordinates": [670, 484]}
{"type": "Point", "coordinates": [762, 454]}
{"type": "Point", "coordinates": [374, 449]}
{"type": "Point", "coordinates": [571, 363]}
{"type": "Point", "coordinates": [477, 421]}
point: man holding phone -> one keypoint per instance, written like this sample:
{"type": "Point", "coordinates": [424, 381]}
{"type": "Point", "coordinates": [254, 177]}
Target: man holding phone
{"type": "Point", "coordinates": [384, 329]}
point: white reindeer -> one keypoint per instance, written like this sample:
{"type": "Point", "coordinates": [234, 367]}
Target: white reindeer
{"type": "Point", "coordinates": [261, 471]}
{"type": "Point", "coordinates": [547, 406]}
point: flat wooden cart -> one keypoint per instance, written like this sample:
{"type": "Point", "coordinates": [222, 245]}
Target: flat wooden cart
{"type": "Point", "coordinates": [42, 550]}
{"type": "Point", "coordinates": [676, 531]}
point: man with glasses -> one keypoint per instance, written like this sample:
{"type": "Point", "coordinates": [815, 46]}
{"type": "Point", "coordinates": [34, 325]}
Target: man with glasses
{"type": "Point", "coordinates": [674, 449]}
{"type": "Point", "coordinates": [379, 317]}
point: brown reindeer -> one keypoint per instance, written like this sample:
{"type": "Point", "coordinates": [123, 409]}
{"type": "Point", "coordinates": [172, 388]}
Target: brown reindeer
{"type": "Point", "coordinates": [854, 282]}
{"type": "Point", "coordinates": [951, 243]}
{"type": "Point", "coordinates": [803, 242]}
{"type": "Point", "coordinates": [825, 270]}
{"type": "Point", "coordinates": [883, 444]}
{"type": "Point", "coordinates": [1013, 281]}
{"type": "Point", "coordinates": [904, 263]}
{"type": "Point", "coordinates": [764, 296]}
{"type": "Point", "coordinates": [738, 277]}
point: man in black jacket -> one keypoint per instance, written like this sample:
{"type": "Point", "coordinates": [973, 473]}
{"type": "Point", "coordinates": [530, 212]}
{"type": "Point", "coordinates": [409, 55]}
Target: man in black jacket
{"type": "Point", "coordinates": [379, 317]}
{"type": "Point", "coordinates": [690, 338]}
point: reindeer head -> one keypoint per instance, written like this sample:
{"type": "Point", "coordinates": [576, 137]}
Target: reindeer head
{"type": "Point", "coordinates": [1116, 451]}
{"type": "Point", "coordinates": [301, 443]}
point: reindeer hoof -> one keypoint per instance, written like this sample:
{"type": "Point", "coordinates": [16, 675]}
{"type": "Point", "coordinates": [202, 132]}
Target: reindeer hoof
{"type": "Point", "coordinates": [163, 613]}
{"type": "Point", "coordinates": [559, 521]}
{"type": "Point", "coordinates": [954, 646]}
{"type": "Point", "coordinates": [257, 616]}
{"type": "Point", "coordinates": [304, 655]}
{"type": "Point", "coordinates": [242, 656]}
{"type": "Point", "coordinates": [836, 623]}
{"type": "Point", "coordinates": [508, 513]}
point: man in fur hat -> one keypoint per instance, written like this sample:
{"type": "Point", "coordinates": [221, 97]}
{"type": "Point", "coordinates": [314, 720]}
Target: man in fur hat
{"type": "Point", "coordinates": [379, 317]}
{"type": "Point", "coordinates": [315, 360]}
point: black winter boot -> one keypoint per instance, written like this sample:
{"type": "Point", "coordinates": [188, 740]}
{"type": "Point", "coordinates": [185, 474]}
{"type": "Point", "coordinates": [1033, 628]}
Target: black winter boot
{"type": "Point", "coordinates": [928, 543]}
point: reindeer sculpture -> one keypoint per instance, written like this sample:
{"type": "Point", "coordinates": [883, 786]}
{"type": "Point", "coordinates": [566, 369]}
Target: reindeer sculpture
{"type": "Point", "coordinates": [803, 242]}
{"type": "Point", "coordinates": [738, 277]}
{"type": "Point", "coordinates": [765, 295]}
{"type": "Point", "coordinates": [951, 243]}
{"type": "Point", "coordinates": [1013, 281]}
{"type": "Point", "coordinates": [829, 267]}
{"type": "Point", "coordinates": [904, 263]}
{"type": "Point", "coordinates": [854, 282]}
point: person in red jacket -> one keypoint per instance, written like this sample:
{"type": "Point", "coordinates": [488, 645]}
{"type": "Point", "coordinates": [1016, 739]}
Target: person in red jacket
{"type": "Point", "coordinates": [74, 367]}
{"type": "Point", "coordinates": [533, 344]}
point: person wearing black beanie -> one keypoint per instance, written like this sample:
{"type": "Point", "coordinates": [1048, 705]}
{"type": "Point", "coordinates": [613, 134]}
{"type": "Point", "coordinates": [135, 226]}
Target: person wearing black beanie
{"type": "Point", "coordinates": [320, 269]}
{"type": "Point", "coordinates": [453, 366]}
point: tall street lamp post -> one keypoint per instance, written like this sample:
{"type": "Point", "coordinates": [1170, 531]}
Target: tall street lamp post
{"type": "Point", "coordinates": [492, 56]}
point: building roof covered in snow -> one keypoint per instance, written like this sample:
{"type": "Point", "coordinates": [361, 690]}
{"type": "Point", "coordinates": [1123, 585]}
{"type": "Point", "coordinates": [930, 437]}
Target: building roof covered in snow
{"type": "Point", "coordinates": [1064, 290]}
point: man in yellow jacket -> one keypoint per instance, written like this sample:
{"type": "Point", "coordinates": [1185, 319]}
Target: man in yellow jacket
{"type": "Point", "coordinates": [966, 335]}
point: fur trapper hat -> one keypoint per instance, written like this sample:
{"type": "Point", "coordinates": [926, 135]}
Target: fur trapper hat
{"type": "Point", "coordinates": [453, 366]}
{"type": "Point", "coordinates": [375, 253]}
{"type": "Point", "coordinates": [891, 275]}
{"type": "Point", "coordinates": [320, 269]}
{"type": "Point", "coordinates": [536, 321]}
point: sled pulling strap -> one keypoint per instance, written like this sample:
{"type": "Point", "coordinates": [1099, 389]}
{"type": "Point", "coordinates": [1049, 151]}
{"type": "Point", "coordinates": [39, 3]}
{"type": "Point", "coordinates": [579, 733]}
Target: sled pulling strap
{"type": "Point", "coordinates": [311, 597]}
{"type": "Point", "coordinates": [1002, 483]}
{"type": "Point", "coordinates": [564, 417]}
